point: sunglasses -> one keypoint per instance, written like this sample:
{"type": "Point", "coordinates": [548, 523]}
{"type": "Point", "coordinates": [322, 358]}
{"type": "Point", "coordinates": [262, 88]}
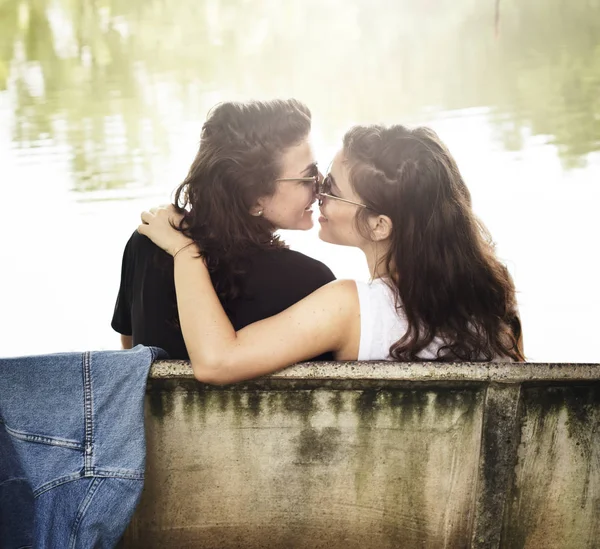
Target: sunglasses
{"type": "Point", "coordinates": [322, 188]}
{"type": "Point", "coordinates": [324, 191]}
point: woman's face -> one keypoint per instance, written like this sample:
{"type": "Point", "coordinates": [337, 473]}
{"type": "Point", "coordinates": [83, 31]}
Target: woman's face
{"type": "Point", "coordinates": [337, 217]}
{"type": "Point", "coordinates": [290, 206]}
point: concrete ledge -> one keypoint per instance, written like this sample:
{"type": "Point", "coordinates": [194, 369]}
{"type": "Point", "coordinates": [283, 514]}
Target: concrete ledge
{"type": "Point", "coordinates": [498, 372]}
{"type": "Point", "coordinates": [373, 455]}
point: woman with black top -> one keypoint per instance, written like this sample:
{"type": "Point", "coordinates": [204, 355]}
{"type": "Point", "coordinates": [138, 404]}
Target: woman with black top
{"type": "Point", "coordinates": [254, 173]}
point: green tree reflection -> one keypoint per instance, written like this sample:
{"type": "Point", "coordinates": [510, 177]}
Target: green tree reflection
{"type": "Point", "coordinates": [546, 74]}
{"type": "Point", "coordinates": [112, 81]}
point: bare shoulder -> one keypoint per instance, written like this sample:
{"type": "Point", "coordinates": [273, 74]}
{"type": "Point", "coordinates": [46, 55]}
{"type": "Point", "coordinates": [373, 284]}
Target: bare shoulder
{"type": "Point", "coordinates": [347, 283]}
{"type": "Point", "coordinates": [343, 292]}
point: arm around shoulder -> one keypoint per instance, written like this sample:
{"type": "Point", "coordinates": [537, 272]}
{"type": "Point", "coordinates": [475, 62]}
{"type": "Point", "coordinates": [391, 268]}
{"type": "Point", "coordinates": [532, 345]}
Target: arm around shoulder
{"type": "Point", "coordinates": [326, 320]}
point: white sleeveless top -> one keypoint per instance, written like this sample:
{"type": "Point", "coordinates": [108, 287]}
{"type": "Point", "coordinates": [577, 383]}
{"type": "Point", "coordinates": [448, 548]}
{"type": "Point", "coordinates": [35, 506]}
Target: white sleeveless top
{"type": "Point", "coordinates": [381, 324]}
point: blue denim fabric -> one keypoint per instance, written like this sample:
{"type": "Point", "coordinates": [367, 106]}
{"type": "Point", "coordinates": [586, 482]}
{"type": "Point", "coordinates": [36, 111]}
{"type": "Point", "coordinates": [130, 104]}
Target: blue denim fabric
{"type": "Point", "coordinates": [76, 423]}
{"type": "Point", "coordinates": [16, 498]}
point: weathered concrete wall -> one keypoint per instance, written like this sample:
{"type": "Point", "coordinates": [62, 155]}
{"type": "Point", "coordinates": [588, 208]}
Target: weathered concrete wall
{"type": "Point", "coordinates": [554, 500]}
{"type": "Point", "coordinates": [374, 456]}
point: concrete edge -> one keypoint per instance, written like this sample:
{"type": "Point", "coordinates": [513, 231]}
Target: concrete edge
{"type": "Point", "coordinates": [497, 461]}
{"type": "Point", "coordinates": [499, 372]}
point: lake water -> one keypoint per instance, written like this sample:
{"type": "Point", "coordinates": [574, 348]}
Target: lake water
{"type": "Point", "coordinates": [101, 105]}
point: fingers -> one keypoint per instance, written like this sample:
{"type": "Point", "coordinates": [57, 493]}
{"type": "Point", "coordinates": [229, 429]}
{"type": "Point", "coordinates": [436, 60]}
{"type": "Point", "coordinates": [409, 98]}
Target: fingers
{"type": "Point", "coordinates": [158, 211]}
{"type": "Point", "coordinates": [148, 216]}
{"type": "Point", "coordinates": [158, 215]}
{"type": "Point", "coordinates": [168, 207]}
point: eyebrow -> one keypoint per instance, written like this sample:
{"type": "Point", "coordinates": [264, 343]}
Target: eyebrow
{"type": "Point", "coordinates": [309, 168]}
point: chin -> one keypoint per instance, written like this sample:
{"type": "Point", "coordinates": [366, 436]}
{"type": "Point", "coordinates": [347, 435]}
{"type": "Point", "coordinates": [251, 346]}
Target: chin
{"type": "Point", "coordinates": [305, 223]}
{"type": "Point", "coordinates": [302, 226]}
{"type": "Point", "coordinates": [308, 225]}
{"type": "Point", "coordinates": [324, 237]}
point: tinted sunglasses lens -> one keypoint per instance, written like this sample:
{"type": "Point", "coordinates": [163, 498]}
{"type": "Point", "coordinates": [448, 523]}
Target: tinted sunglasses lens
{"type": "Point", "coordinates": [324, 186]}
{"type": "Point", "coordinates": [319, 191]}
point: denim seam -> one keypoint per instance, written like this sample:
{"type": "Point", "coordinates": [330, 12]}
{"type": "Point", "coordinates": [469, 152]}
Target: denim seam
{"type": "Point", "coordinates": [96, 483]}
{"type": "Point", "coordinates": [41, 439]}
{"type": "Point", "coordinates": [119, 473]}
{"type": "Point", "coordinates": [98, 473]}
{"type": "Point", "coordinates": [14, 479]}
{"type": "Point", "coordinates": [88, 410]}
{"type": "Point", "coordinates": [56, 482]}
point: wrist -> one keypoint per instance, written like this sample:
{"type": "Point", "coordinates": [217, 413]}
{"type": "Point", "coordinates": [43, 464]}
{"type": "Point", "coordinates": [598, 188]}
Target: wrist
{"type": "Point", "coordinates": [187, 247]}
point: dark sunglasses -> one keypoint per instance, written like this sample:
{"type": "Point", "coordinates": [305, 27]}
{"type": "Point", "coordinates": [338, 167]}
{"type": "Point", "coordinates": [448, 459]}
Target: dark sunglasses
{"type": "Point", "coordinates": [315, 179]}
{"type": "Point", "coordinates": [324, 191]}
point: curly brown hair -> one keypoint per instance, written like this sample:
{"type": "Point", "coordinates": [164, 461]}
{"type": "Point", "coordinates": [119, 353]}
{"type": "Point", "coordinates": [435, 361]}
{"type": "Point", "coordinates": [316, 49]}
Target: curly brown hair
{"type": "Point", "coordinates": [445, 273]}
{"type": "Point", "coordinates": [238, 161]}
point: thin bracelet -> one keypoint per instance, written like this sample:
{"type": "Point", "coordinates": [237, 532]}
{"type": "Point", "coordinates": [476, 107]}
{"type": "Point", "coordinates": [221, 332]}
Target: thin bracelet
{"type": "Point", "coordinates": [182, 248]}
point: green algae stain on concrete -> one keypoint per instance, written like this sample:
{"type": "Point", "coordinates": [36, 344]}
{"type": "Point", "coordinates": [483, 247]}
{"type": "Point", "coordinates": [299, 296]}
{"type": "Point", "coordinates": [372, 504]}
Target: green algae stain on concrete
{"type": "Point", "coordinates": [223, 398]}
{"type": "Point", "coordinates": [555, 497]}
{"type": "Point", "coordinates": [336, 402]}
{"type": "Point", "coordinates": [409, 408]}
{"type": "Point", "coordinates": [254, 403]}
{"type": "Point", "coordinates": [299, 402]}
{"type": "Point", "coordinates": [370, 465]}
{"type": "Point", "coordinates": [161, 404]}
{"type": "Point", "coordinates": [384, 455]}
{"type": "Point", "coordinates": [317, 446]}
{"type": "Point", "coordinates": [422, 448]}
{"type": "Point", "coordinates": [198, 405]}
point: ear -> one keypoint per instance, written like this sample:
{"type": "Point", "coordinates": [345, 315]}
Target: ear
{"type": "Point", "coordinates": [258, 208]}
{"type": "Point", "coordinates": [381, 227]}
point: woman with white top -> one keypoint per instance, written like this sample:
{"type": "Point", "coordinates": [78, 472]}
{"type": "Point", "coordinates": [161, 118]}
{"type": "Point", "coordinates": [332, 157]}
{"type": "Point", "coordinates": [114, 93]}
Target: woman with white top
{"type": "Point", "coordinates": [438, 292]}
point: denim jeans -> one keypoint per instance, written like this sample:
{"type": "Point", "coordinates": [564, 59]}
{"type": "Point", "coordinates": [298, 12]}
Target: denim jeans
{"type": "Point", "coordinates": [76, 424]}
{"type": "Point", "coordinates": [16, 498]}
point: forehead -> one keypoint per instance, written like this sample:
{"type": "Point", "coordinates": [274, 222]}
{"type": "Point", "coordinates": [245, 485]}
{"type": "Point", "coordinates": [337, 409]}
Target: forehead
{"type": "Point", "coordinates": [339, 170]}
{"type": "Point", "coordinates": [295, 159]}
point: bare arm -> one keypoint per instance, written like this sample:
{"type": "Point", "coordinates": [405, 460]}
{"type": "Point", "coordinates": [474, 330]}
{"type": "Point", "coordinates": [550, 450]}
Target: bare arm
{"type": "Point", "coordinates": [126, 341]}
{"type": "Point", "coordinates": [326, 320]}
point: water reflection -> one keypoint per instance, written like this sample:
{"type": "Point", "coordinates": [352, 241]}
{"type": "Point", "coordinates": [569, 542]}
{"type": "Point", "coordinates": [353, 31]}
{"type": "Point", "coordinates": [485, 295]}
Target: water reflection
{"type": "Point", "coordinates": [112, 82]}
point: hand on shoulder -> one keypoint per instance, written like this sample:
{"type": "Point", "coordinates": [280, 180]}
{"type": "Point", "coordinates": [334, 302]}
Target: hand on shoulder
{"type": "Point", "coordinates": [158, 224]}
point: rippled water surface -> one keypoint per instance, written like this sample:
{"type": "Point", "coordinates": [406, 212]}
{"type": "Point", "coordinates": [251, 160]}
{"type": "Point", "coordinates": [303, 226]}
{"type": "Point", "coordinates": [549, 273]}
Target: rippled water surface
{"type": "Point", "coordinates": [101, 105]}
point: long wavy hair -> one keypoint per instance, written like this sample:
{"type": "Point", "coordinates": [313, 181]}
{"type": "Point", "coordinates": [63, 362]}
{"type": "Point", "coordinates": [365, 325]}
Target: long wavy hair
{"type": "Point", "coordinates": [238, 161]}
{"type": "Point", "coordinates": [444, 270]}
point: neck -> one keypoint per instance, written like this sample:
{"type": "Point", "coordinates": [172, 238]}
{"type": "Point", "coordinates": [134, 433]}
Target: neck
{"type": "Point", "coordinates": [375, 253]}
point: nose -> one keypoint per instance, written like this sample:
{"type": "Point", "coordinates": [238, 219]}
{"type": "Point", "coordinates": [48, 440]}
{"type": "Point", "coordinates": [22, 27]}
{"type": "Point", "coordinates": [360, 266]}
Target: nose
{"type": "Point", "coordinates": [317, 188]}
